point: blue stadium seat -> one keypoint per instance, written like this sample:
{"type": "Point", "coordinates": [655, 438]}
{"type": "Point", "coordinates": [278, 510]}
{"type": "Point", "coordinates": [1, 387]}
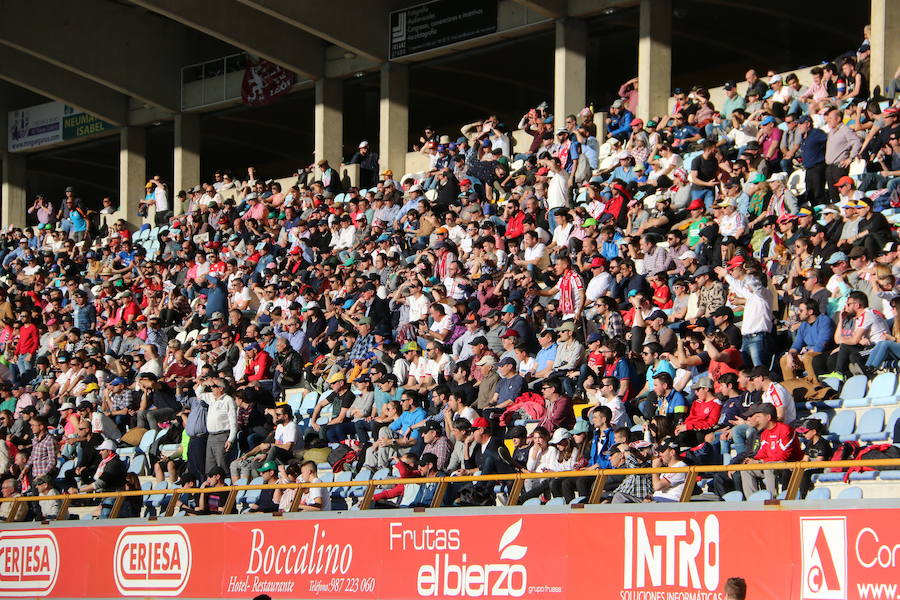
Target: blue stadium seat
{"type": "Point", "coordinates": [760, 496]}
{"type": "Point", "coordinates": [532, 502]}
{"type": "Point", "coordinates": [137, 464]}
{"type": "Point", "coordinates": [843, 425]}
{"type": "Point", "coordinates": [864, 476]}
{"type": "Point", "coordinates": [851, 493]}
{"type": "Point", "coordinates": [734, 496]}
{"type": "Point", "coordinates": [579, 500]}
{"type": "Point", "coordinates": [830, 477]}
{"type": "Point", "coordinates": [327, 476]}
{"type": "Point", "coordinates": [825, 417]}
{"type": "Point", "coordinates": [359, 490]}
{"type": "Point", "coordinates": [854, 392]}
{"type": "Point", "coordinates": [871, 425]}
{"type": "Point", "coordinates": [819, 493]}
{"type": "Point", "coordinates": [833, 383]}
{"type": "Point", "coordinates": [882, 390]}
{"type": "Point", "coordinates": [893, 475]}
{"type": "Point", "coordinates": [556, 501]}
{"type": "Point", "coordinates": [251, 496]}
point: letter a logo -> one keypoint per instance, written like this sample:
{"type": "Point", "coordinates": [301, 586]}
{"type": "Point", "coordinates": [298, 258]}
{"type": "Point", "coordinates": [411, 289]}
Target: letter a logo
{"type": "Point", "coordinates": [823, 542]}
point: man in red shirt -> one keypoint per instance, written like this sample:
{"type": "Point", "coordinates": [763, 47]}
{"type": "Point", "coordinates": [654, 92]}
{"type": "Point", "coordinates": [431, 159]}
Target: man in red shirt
{"type": "Point", "coordinates": [704, 414]}
{"type": "Point", "coordinates": [777, 443]}
{"type": "Point", "coordinates": [259, 364]}
{"type": "Point", "coordinates": [26, 346]}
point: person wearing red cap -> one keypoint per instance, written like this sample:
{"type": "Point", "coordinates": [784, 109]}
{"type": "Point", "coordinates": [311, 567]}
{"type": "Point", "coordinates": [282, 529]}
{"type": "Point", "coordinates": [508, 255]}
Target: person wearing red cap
{"type": "Point", "coordinates": [485, 456]}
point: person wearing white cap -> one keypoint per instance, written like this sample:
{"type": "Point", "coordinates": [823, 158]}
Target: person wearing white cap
{"type": "Point", "coordinates": [731, 222]}
{"type": "Point", "coordinates": [110, 474]}
{"type": "Point", "coordinates": [368, 165]}
{"type": "Point", "coordinates": [783, 198]}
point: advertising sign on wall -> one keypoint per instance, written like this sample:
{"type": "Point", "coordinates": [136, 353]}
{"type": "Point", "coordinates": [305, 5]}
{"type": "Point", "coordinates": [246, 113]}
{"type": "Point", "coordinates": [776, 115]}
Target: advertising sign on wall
{"type": "Point", "coordinates": [45, 124]}
{"type": "Point", "coordinates": [440, 23]}
{"type": "Point", "coordinates": [809, 555]}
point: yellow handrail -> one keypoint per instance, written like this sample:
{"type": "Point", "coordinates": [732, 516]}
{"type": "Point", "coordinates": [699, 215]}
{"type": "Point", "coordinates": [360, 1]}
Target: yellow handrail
{"type": "Point", "coordinates": [797, 469]}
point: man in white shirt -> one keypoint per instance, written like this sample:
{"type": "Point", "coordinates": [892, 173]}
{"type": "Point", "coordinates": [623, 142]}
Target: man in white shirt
{"type": "Point", "coordinates": [557, 189]}
{"type": "Point", "coordinates": [600, 281]}
{"type": "Point", "coordinates": [608, 398]}
{"type": "Point", "coordinates": [774, 394]}
{"type": "Point", "coordinates": [758, 319]}
{"type": "Point", "coordinates": [668, 486]}
{"type": "Point", "coordinates": [732, 223]}
{"type": "Point", "coordinates": [221, 422]}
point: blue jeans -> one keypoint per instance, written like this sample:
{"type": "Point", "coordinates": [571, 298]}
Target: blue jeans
{"type": "Point", "coordinates": [706, 194]}
{"type": "Point", "coordinates": [738, 441]}
{"type": "Point", "coordinates": [883, 350]}
{"type": "Point", "coordinates": [755, 349]}
{"type": "Point", "coordinates": [551, 218]}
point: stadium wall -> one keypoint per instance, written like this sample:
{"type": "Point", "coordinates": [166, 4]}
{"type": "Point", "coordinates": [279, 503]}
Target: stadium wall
{"type": "Point", "coordinates": [788, 550]}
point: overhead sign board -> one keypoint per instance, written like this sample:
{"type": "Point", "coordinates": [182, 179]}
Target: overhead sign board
{"type": "Point", "coordinates": [440, 23]}
{"type": "Point", "coordinates": [38, 126]}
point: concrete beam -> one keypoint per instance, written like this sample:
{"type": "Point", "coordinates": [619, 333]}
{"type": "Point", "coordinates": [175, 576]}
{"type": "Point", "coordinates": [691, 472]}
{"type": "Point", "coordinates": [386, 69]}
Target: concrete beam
{"type": "Point", "coordinates": [12, 194]}
{"type": "Point", "coordinates": [132, 171]}
{"type": "Point", "coordinates": [569, 68]}
{"type": "Point", "coordinates": [549, 8]}
{"type": "Point", "coordinates": [109, 43]}
{"type": "Point", "coordinates": [248, 29]}
{"type": "Point", "coordinates": [654, 58]}
{"type": "Point", "coordinates": [48, 80]}
{"type": "Point", "coordinates": [328, 19]}
{"type": "Point", "coordinates": [187, 156]}
{"type": "Point", "coordinates": [393, 110]}
{"type": "Point", "coordinates": [885, 59]}
{"type": "Point", "coordinates": [329, 121]}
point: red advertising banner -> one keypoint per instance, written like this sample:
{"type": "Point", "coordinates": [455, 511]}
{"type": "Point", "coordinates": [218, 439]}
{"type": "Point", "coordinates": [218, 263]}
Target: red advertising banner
{"type": "Point", "coordinates": [264, 82]}
{"type": "Point", "coordinates": [644, 555]}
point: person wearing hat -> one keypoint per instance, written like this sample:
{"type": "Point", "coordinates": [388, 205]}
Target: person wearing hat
{"type": "Point", "coordinates": [619, 125]}
{"type": "Point", "coordinates": [258, 366]}
{"type": "Point", "coordinates": [49, 509]}
{"type": "Point", "coordinates": [777, 443]}
{"type": "Point", "coordinates": [437, 444]}
{"type": "Point", "coordinates": [265, 502]}
{"type": "Point", "coordinates": [816, 448]}
{"type": "Point", "coordinates": [110, 473]}
{"type": "Point", "coordinates": [509, 387]}
{"type": "Point", "coordinates": [340, 425]}
{"type": "Point", "coordinates": [704, 414]}
{"type": "Point", "coordinates": [667, 487]}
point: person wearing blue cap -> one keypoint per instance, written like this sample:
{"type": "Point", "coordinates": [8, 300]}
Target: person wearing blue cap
{"type": "Point", "coordinates": [118, 402]}
{"type": "Point", "coordinates": [769, 137]}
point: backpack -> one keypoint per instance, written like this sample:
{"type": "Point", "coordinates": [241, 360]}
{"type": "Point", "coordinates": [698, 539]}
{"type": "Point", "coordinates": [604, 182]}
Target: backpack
{"type": "Point", "coordinates": [873, 452]}
{"type": "Point", "coordinates": [846, 451]}
{"type": "Point", "coordinates": [337, 455]}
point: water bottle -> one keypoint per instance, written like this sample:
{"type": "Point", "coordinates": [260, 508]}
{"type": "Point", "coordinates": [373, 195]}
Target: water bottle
{"type": "Point", "coordinates": [841, 86]}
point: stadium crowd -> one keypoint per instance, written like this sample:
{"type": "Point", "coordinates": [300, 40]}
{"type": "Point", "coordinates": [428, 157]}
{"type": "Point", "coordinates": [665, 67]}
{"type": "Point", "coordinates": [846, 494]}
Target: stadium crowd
{"type": "Point", "coordinates": [656, 299]}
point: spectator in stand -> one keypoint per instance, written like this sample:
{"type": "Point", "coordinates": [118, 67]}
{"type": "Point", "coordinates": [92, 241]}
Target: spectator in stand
{"type": "Point", "coordinates": [777, 443]}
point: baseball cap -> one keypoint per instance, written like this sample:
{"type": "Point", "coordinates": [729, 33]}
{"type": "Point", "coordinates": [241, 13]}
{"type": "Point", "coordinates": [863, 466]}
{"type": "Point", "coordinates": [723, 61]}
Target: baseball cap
{"type": "Point", "coordinates": [509, 333]}
{"type": "Point", "coordinates": [559, 435]}
{"type": "Point", "coordinates": [845, 180]}
{"type": "Point", "coordinates": [765, 408]}
{"type": "Point", "coordinates": [67, 406]}
{"type": "Point", "coordinates": [810, 425]}
{"type": "Point", "coordinates": [479, 340]}
{"type": "Point", "coordinates": [689, 254]}
{"type": "Point", "coordinates": [581, 426]}
{"type": "Point", "coordinates": [481, 423]}
{"type": "Point", "coordinates": [598, 261]}
{"type": "Point", "coordinates": [729, 85]}
{"type": "Point", "coordinates": [509, 308]}
{"type": "Point", "coordinates": [410, 347]}
{"type": "Point", "coordinates": [486, 360]}
{"type": "Point", "coordinates": [107, 445]}
{"type": "Point", "coordinates": [704, 382]}
{"type": "Point", "coordinates": [118, 381]}
{"type": "Point", "coordinates": [269, 465]}
{"type": "Point", "coordinates": [857, 252]}
{"type": "Point", "coordinates": [657, 314]}
{"type": "Point", "coordinates": [431, 426]}
{"type": "Point", "coordinates": [507, 361]}
{"type": "Point", "coordinates": [516, 432]}
{"type": "Point", "coordinates": [335, 377]}
{"type": "Point", "coordinates": [668, 444]}
{"type": "Point", "coordinates": [567, 326]}
{"type": "Point", "coordinates": [696, 204]}
{"type": "Point", "coordinates": [594, 337]}
{"type": "Point", "coordinates": [736, 261]}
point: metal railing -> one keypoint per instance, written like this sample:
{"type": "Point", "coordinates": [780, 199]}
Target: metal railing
{"type": "Point", "coordinates": [796, 470]}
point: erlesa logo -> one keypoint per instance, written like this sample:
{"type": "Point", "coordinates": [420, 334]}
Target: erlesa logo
{"type": "Point", "coordinates": [449, 576]}
{"type": "Point", "coordinates": [152, 560]}
{"type": "Point", "coordinates": [823, 542]}
{"type": "Point", "coordinates": [29, 563]}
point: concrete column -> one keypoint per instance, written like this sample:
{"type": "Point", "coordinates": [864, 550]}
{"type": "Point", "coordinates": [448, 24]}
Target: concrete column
{"type": "Point", "coordinates": [569, 69]}
{"type": "Point", "coordinates": [12, 196]}
{"type": "Point", "coordinates": [187, 155]}
{"type": "Point", "coordinates": [654, 58]}
{"type": "Point", "coordinates": [132, 172]}
{"type": "Point", "coordinates": [885, 41]}
{"type": "Point", "coordinates": [393, 126]}
{"type": "Point", "coordinates": [329, 125]}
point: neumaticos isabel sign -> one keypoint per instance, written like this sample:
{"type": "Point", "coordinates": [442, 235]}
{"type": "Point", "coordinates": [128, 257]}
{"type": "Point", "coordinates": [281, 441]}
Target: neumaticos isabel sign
{"type": "Point", "coordinates": [50, 123]}
{"type": "Point", "coordinates": [440, 23]}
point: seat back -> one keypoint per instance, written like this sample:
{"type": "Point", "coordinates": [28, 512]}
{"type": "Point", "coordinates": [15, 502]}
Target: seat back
{"type": "Point", "coordinates": [760, 496]}
{"type": "Point", "coordinates": [147, 440]}
{"type": "Point", "coordinates": [851, 493]}
{"type": "Point", "coordinates": [883, 385]}
{"type": "Point", "coordinates": [532, 502]}
{"type": "Point", "coordinates": [892, 421]}
{"type": "Point", "coordinates": [137, 464]}
{"type": "Point", "coordinates": [733, 496]}
{"type": "Point", "coordinates": [872, 421]}
{"type": "Point", "coordinates": [855, 387]}
{"type": "Point", "coordinates": [843, 423]}
{"type": "Point", "coordinates": [820, 493]}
